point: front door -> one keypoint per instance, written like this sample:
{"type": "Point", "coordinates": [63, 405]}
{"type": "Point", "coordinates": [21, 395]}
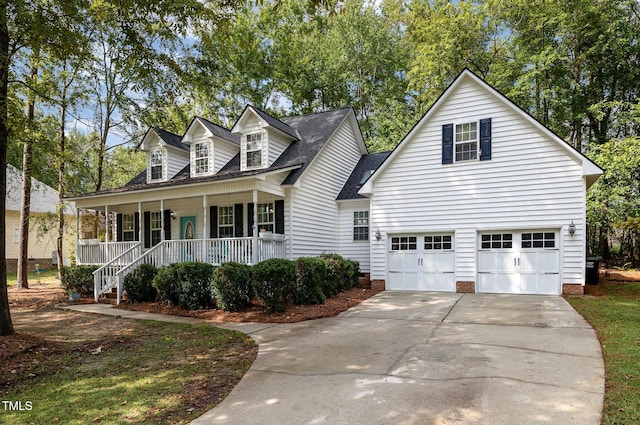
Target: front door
{"type": "Point", "coordinates": [187, 232]}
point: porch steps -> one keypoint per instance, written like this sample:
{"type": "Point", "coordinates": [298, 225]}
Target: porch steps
{"type": "Point", "coordinates": [111, 297]}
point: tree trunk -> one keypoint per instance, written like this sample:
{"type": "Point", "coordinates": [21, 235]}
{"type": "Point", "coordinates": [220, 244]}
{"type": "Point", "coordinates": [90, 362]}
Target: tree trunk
{"type": "Point", "coordinates": [63, 119]}
{"type": "Point", "coordinates": [23, 257]}
{"type": "Point", "coordinates": [6, 327]}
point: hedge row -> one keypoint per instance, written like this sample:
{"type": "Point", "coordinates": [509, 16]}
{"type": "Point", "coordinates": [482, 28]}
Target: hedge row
{"type": "Point", "coordinates": [277, 282]}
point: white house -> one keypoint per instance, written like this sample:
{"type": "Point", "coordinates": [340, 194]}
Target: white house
{"type": "Point", "coordinates": [478, 197]}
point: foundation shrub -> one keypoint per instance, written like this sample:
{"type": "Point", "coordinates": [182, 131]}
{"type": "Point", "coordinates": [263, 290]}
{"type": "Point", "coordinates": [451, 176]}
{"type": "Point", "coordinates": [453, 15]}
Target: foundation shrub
{"type": "Point", "coordinates": [311, 276]}
{"type": "Point", "coordinates": [274, 282]}
{"type": "Point", "coordinates": [138, 284]}
{"type": "Point", "coordinates": [232, 287]}
{"type": "Point", "coordinates": [166, 283]}
{"type": "Point", "coordinates": [194, 285]}
{"type": "Point", "coordinates": [78, 279]}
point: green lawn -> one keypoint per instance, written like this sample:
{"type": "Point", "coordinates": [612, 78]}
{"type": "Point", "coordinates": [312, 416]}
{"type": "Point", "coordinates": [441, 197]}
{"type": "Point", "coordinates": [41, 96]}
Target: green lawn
{"type": "Point", "coordinates": [615, 315]}
{"type": "Point", "coordinates": [130, 372]}
{"type": "Point", "coordinates": [47, 277]}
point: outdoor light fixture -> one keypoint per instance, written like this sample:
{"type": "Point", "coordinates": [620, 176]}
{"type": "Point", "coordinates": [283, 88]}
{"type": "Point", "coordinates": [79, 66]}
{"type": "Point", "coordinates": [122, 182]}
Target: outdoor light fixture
{"type": "Point", "coordinates": [173, 215]}
{"type": "Point", "coordinates": [572, 228]}
{"type": "Point", "coordinates": [378, 235]}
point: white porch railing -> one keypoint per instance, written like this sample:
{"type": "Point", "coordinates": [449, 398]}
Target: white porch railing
{"type": "Point", "coordinates": [213, 251]}
{"type": "Point", "coordinates": [92, 251]}
{"type": "Point", "coordinates": [105, 277]}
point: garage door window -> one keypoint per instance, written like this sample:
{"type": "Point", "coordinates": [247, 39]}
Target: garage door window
{"type": "Point", "coordinates": [497, 241]}
{"type": "Point", "coordinates": [437, 242]}
{"type": "Point", "coordinates": [538, 240]}
{"type": "Point", "coordinates": [404, 243]}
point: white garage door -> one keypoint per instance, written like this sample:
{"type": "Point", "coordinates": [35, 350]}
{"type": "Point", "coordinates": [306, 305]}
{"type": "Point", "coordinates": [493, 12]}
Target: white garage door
{"type": "Point", "coordinates": [422, 263]}
{"type": "Point", "coordinates": [522, 262]}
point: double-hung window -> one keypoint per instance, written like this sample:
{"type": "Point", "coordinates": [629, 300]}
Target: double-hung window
{"type": "Point", "coordinates": [202, 157]}
{"type": "Point", "coordinates": [156, 165]}
{"type": "Point", "coordinates": [156, 228]}
{"type": "Point", "coordinates": [266, 217]}
{"type": "Point", "coordinates": [225, 222]}
{"type": "Point", "coordinates": [466, 141]}
{"type": "Point", "coordinates": [254, 144]}
{"type": "Point", "coordinates": [128, 227]}
{"type": "Point", "coordinates": [361, 225]}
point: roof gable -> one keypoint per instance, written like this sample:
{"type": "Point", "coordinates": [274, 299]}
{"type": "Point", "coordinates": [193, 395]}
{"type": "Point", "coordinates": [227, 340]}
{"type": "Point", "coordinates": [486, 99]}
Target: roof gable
{"type": "Point", "coordinates": [589, 169]}
{"type": "Point", "coordinates": [211, 129]}
{"type": "Point", "coordinates": [43, 198]}
{"type": "Point", "coordinates": [266, 120]}
{"type": "Point", "coordinates": [361, 173]}
{"type": "Point", "coordinates": [163, 137]}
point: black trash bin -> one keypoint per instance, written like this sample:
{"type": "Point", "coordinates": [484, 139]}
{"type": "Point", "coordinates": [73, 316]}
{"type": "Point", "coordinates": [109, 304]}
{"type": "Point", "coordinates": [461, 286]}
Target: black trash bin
{"type": "Point", "coordinates": [593, 265]}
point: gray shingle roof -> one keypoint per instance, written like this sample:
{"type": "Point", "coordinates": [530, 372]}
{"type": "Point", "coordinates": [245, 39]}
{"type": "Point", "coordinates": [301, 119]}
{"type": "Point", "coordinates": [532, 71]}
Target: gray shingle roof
{"type": "Point", "coordinates": [274, 122]}
{"type": "Point", "coordinates": [170, 138]}
{"type": "Point", "coordinates": [365, 167]}
{"type": "Point", "coordinates": [220, 131]}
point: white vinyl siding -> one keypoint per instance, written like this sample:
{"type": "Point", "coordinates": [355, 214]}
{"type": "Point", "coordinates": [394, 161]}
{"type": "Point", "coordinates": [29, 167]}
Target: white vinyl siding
{"type": "Point", "coordinates": [223, 153]}
{"type": "Point", "coordinates": [349, 248]}
{"type": "Point", "coordinates": [530, 183]}
{"type": "Point", "coordinates": [173, 159]}
{"type": "Point", "coordinates": [277, 145]}
{"type": "Point", "coordinates": [314, 209]}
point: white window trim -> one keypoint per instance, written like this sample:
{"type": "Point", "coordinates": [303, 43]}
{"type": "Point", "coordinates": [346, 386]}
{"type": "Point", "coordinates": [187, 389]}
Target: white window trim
{"type": "Point", "coordinates": [206, 158]}
{"type": "Point", "coordinates": [357, 216]}
{"type": "Point", "coordinates": [161, 164]}
{"type": "Point", "coordinates": [155, 218]}
{"type": "Point", "coordinates": [456, 142]}
{"type": "Point", "coordinates": [232, 224]}
{"type": "Point", "coordinates": [269, 226]}
{"type": "Point", "coordinates": [262, 150]}
{"type": "Point", "coordinates": [132, 231]}
{"type": "Point", "coordinates": [16, 235]}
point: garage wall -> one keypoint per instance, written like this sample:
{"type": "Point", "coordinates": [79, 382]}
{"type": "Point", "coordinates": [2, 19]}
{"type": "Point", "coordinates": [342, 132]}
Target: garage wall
{"type": "Point", "coordinates": [355, 250]}
{"type": "Point", "coordinates": [529, 183]}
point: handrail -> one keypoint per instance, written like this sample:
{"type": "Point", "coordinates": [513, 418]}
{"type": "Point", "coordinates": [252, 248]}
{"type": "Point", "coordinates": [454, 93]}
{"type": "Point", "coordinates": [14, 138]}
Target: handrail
{"type": "Point", "coordinates": [103, 277]}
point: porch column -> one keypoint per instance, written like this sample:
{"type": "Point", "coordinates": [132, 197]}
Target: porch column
{"type": "Point", "coordinates": [256, 256]}
{"type": "Point", "coordinates": [77, 234]}
{"type": "Point", "coordinates": [164, 236]}
{"type": "Point", "coordinates": [107, 239]}
{"type": "Point", "coordinates": [141, 226]}
{"type": "Point", "coordinates": [205, 228]}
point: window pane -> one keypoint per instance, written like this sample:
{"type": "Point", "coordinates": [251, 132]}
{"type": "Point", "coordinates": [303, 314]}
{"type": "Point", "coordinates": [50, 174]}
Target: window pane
{"type": "Point", "coordinates": [254, 159]}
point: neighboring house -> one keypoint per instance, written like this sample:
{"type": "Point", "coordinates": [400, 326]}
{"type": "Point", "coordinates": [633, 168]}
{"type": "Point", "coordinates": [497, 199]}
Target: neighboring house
{"type": "Point", "coordinates": [478, 197]}
{"type": "Point", "coordinates": [43, 232]}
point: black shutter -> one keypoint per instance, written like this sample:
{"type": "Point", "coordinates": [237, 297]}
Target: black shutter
{"type": "Point", "coordinates": [119, 236]}
{"type": "Point", "coordinates": [136, 227]}
{"type": "Point", "coordinates": [213, 222]}
{"type": "Point", "coordinates": [238, 218]}
{"type": "Point", "coordinates": [485, 139]}
{"type": "Point", "coordinates": [167, 224]}
{"type": "Point", "coordinates": [147, 229]}
{"type": "Point", "coordinates": [279, 207]}
{"type": "Point", "coordinates": [447, 144]}
{"type": "Point", "coordinates": [250, 219]}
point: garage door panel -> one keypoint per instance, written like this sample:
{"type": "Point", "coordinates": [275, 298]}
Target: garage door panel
{"type": "Point", "coordinates": [442, 282]}
{"type": "Point", "coordinates": [549, 284]}
{"type": "Point", "coordinates": [487, 262]}
{"type": "Point", "coordinates": [508, 283]}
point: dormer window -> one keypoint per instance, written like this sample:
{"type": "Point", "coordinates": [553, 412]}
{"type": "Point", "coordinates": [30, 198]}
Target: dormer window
{"type": "Point", "coordinates": [156, 165]}
{"type": "Point", "coordinates": [202, 158]}
{"type": "Point", "coordinates": [254, 146]}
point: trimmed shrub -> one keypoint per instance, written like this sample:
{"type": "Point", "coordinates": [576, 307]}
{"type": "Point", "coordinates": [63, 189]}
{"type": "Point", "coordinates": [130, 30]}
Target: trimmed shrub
{"type": "Point", "coordinates": [138, 284]}
{"type": "Point", "coordinates": [78, 279]}
{"type": "Point", "coordinates": [342, 274]}
{"type": "Point", "coordinates": [274, 282]}
{"type": "Point", "coordinates": [194, 285]}
{"type": "Point", "coordinates": [231, 286]}
{"type": "Point", "coordinates": [166, 283]}
{"type": "Point", "coordinates": [311, 276]}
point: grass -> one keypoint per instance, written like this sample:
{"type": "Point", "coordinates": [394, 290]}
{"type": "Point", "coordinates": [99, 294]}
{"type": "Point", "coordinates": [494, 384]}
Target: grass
{"type": "Point", "coordinates": [46, 277]}
{"type": "Point", "coordinates": [615, 315]}
{"type": "Point", "coordinates": [139, 373]}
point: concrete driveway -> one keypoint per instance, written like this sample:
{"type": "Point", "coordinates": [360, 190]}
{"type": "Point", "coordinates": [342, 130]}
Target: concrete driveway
{"type": "Point", "coordinates": [425, 358]}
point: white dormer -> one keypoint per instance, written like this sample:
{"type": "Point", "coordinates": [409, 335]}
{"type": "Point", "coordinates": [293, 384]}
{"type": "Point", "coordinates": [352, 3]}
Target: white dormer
{"type": "Point", "coordinates": [211, 147]}
{"type": "Point", "coordinates": [262, 138]}
{"type": "Point", "coordinates": [166, 156]}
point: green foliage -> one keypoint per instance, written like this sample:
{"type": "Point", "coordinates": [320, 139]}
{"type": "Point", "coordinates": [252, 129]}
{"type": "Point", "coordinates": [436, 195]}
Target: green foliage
{"type": "Point", "coordinates": [138, 284]}
{"type": "Point", "coordinates": [311, 275]}
{"type": "Point", "coordinates": [342, 274]}
{"type": "Point", "coordinates": [166, 283]}
{"type": "Point", "coordinates": [232, 287]}
{"type": "Point", "coordinates": [274, 282]}
{"type": "Point", "coordinates": [78, 279]}
{"type": "Point", "coordinates": [194, 285]}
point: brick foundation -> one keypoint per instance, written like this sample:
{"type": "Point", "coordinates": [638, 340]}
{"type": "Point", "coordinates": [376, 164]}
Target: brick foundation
{"type": "Point", "coordinates": [378, 284]}
{"type": "Point", "coordinates": [466, 287]}
{"type": "Point", "coordinates": [43, 264]}
{"type": "Point", "coordinates": [572, 289]}
{"type": "Point", "coordinates": [364, 281]}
